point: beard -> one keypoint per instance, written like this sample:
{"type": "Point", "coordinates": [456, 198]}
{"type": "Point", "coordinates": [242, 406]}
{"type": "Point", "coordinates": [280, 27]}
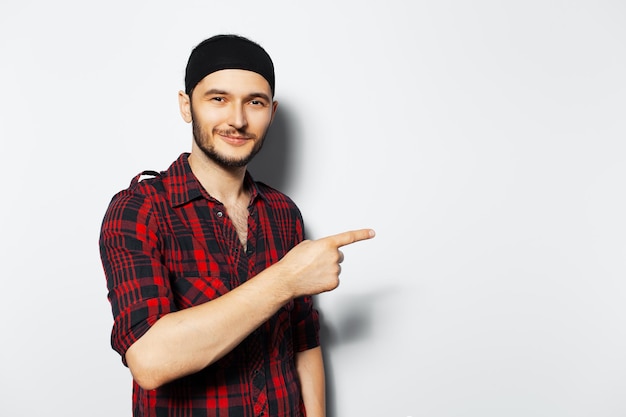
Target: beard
{"type": "Point", "coordinates": [203, 140]}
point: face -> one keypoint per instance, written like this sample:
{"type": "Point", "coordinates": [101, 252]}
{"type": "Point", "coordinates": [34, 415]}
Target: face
{"type": "Point", "coordinates": [230, 111]}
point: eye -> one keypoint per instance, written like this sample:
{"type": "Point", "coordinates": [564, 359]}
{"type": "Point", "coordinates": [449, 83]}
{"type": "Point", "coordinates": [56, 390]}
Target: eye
{"type": "Point", "coordinates": [257, 102]}
{"type": "Point", "coordinates": [218, 99]}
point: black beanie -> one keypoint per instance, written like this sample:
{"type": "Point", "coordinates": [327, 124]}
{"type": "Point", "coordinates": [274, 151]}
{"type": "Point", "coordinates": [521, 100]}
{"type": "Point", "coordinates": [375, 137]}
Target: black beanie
{"type": "Point", "coordinates": [227, 52]}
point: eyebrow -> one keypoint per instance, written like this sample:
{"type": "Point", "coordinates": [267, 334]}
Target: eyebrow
{"type": "Point", "coordinates": [215, 91]}
{"type": "Point", "coordinates": [224, 92]}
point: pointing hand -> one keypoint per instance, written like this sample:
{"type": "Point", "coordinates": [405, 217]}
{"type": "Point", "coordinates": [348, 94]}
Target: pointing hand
{"type": "Point", "coordinates": [313, 266]}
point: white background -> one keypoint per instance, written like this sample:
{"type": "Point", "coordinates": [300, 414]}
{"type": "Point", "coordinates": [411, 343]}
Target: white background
{"type": "Point", "coordinates": [484, 141]}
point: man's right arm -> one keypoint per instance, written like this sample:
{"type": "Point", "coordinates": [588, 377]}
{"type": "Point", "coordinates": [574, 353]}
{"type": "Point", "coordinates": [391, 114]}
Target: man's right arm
{"type": "Point", "coordinates": [183, 342]}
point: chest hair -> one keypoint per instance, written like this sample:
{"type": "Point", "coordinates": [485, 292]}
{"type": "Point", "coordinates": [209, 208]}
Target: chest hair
{"type": "Point", "coordinates": [238, 214]}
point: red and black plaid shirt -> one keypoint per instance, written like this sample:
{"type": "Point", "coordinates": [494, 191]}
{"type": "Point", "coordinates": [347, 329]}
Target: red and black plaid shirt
{"type": "Point", "coordinates": [167, 245]}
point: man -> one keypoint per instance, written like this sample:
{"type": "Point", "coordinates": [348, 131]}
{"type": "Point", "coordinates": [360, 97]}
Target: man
{"type": "Point", "coordinates": [209, 278]}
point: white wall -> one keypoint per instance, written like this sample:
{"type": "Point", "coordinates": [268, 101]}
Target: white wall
{"type": "Point", "coordinates": [484, 141]}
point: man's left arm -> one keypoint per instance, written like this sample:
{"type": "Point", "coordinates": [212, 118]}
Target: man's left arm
{"type": "Point", "coordinates": [310, 368]}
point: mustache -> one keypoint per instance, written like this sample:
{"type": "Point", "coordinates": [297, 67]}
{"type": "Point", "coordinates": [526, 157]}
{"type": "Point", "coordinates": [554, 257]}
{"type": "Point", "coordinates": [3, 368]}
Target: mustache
{"type": "Point", "coordinates": [234, 133]}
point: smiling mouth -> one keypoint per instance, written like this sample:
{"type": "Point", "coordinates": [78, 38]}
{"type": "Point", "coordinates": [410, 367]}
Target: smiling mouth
{"type": "Point", "coordinates": [234, 139]}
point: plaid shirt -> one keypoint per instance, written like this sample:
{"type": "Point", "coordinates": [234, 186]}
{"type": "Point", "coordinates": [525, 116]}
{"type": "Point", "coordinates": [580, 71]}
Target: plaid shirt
{"type": "Point", "coordinates": [167, 245]}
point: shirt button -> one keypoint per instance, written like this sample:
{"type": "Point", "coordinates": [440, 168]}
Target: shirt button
{"type": "Point", "coordinates": [220, 214]}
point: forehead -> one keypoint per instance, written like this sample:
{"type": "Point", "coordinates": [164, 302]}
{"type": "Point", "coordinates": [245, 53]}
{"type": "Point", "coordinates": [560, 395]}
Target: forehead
{"type": "Point", "coordinates": [235, 81]}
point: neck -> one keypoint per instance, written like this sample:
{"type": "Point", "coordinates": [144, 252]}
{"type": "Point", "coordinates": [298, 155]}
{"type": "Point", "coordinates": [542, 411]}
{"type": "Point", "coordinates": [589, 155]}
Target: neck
{"type": "Point", "coordinates": [224, 184]}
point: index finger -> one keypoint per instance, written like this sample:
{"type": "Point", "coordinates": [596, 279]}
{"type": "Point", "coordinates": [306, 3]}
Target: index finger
{"type": "Point", "coordinates": [349, 237]}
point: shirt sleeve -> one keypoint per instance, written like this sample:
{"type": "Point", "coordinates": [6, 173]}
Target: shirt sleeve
{"type": "Point", "coordinates": [137, 281]}
{"type": "Point", "coordinates": [306, 324]}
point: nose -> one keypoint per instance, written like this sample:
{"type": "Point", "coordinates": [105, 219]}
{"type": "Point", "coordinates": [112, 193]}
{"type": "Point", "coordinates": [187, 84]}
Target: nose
{"type": "Point", "coordinates": [238, 118]}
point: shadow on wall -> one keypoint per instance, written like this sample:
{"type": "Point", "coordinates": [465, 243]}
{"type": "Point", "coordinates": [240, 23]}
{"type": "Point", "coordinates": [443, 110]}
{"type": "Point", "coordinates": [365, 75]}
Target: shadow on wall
{"type": "Point", "coordinates": [354, 325]}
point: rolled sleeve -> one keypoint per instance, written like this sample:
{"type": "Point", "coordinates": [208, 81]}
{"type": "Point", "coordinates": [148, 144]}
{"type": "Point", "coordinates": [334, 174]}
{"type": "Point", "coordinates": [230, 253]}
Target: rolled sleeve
{"type": "Point", "coordinates": [137, 280]}
{"type": "Point", "coordinates": [306, 325]}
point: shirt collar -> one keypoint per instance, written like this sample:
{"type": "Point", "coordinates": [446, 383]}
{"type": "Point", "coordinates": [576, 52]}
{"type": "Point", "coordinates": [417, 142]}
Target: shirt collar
{"type": "Point", "coordinates": [183, 185]}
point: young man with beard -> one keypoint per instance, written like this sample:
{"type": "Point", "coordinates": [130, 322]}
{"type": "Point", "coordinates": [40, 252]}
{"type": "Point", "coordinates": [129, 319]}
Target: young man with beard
{"type": "Point", "coordinates": [209, 276]}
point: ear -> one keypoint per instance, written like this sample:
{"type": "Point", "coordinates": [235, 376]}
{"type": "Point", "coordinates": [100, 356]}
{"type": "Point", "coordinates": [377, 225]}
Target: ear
{"type": "Point", "coordinates": [274, 107]}
{"type": "Point", "coordinates": [184, 105]}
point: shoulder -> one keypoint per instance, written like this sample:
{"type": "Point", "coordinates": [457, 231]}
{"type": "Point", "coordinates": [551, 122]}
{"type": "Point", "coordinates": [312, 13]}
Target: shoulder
{"type": "Point", "coordinates": [277, 199]}
{"type": "Point", "coordinates": [155, 185]}
{"type": "Point", "coordinates": [282, 213]}
{"type": "Point", "coordinates": [282, 210]}
{"type": "Point", "coordinates": [145, 190]}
